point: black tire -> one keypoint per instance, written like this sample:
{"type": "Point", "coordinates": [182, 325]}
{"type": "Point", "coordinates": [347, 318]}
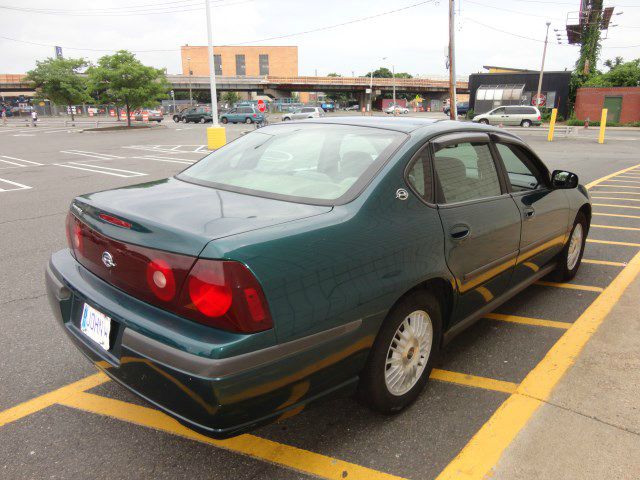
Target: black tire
{"type": "Point", "coordinates": [176, 118]}
{"type": "Point", "coordinates": [286, 119]}
{"type": "Point", "coordinates": [224, 120]}
{"type": "Point", "coordinates": [203, 120]}
{"type": "Point", "coordinates": [372, 389]}
{"type": "Point", "coordinates": [526, 123]}
{"type": "Point", "coordinates": [248, 120]}
{"type": "Point", "coordinates": [185, 120]}
{"type": "Point", "coordinates": [484, 121]}
{"type": "Point", "coordinates": [563, 273]}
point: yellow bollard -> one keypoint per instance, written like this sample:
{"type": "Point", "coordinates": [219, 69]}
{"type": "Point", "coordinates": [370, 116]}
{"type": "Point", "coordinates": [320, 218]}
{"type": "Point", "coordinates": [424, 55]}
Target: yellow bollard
{"type": "Point", "coordinates": [216, 137]}
{"type": "Point", "coordinates": [552, 124]}
{"type": "Point", "coordinates": [603, 125]}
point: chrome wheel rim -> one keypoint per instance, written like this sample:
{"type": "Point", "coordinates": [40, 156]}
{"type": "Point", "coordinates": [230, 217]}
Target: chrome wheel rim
{"type": "Point", "coordinates": [575, 246]}
{"type": "Point", "coordinates": [408, 352]}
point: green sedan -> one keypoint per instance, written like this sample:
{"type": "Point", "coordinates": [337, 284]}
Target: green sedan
{"type": "Point", "coordinates": [310, 258]}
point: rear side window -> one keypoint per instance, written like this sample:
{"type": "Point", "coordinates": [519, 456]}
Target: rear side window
{"type": "Point", "coordinates": [419, 175]}
{"type": "Point", "coordinates": [313, 163]}
{"type": "Point", "coordinates": [308, 110]}
{"type": "Point", "coordinates": [466, 171]}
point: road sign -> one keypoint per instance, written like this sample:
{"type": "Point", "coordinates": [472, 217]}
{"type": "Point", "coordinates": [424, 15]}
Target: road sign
{"type": "Point", "coordinates": [261, 106]}
{"type": "Point", "coordinates": [543, 99]}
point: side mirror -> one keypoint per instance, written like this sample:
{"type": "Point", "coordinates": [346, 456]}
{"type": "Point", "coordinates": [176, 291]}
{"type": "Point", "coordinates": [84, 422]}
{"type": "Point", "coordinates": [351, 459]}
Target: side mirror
{"type": "Point", "coordinates": [564, 179]}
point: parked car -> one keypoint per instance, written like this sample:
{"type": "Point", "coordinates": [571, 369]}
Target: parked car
{"type": "Point", "coordinates": [245, 114]}
{"type": "Point", "coordinates": [308, 258]}
{"type": "Point", "coordinates": [304, 112]}
{"type": "Point", "coordinates": [396, 109]}
{"type": "Point", "coordinates": [522, 115]}
{"type": "Point", "coordinates": [352, 108]}
{"type": "Point", "coordinates": [154, 115]}
{"type": "Point", "coordinates": [462, 108]}
{"type": "Point", "coordinates": [328, 107]}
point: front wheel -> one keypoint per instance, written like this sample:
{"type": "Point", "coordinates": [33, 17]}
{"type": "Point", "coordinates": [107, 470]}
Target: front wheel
{"type": "Point", "coordinates": [403, 354]}
{"type": "Point", "coordinates": [202, 120]}
{"type": "Point", "coordinates": [571, 256]}
{"type": "Point", "coordinates": [176, 118]}
{"type": "Point", "coordinates": [484, 121]}
{"type": "Point", "coordinates": [224, 120]}
{"type": "Point", "coordinates": [525, 123]}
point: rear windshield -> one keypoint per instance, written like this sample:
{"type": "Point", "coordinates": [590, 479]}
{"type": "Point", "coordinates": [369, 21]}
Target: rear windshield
{"type": "Point", "coordinates": [308, 163]}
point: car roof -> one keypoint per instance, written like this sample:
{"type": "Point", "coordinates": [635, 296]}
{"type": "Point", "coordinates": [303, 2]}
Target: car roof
{"type": "Point", "coordinates": [405, 125]}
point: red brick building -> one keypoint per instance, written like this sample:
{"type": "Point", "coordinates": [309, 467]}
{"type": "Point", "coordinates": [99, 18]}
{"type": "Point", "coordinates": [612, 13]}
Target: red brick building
{"type": "Point", "coordinates": [622, 103]}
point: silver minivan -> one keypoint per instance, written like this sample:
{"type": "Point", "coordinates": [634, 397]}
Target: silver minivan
{"type": "Point", "coordinates": [304, 112]}
{"type": "Point", "coordinates": [522, 115]}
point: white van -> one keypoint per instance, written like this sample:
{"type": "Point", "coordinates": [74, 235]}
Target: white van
{"type": "Point", "coordinates": [522, 115]}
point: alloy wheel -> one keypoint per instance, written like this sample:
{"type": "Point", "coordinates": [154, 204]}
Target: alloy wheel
{"type": "Point", "coordinates": [575, 247]}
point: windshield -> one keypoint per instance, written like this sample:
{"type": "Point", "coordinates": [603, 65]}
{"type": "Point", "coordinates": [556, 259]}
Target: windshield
{"type": "Point", "coordinates": [309, 163]}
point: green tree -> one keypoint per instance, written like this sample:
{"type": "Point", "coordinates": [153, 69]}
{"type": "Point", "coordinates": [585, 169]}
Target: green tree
{"type": "Point", "coordinates": [403, 75]}
{"type": "Point", "coordinates": [58, 80]}
{"type": "Point", "coordinates": [333, 74]}
{"type": "Point", "coordinates": [231, 98]}
{"type": "Point", "coordinates": [123, 80]}
{"type": "Point", "coordinates": [623, 74]}
{"type": "Point", "coordinates": [613, 63]}
{"type": "Point", "coordinates": [382, 72]}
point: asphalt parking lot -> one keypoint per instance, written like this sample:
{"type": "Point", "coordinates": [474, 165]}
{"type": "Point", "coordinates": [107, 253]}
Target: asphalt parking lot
{"type": "Point", "coordinates": [60, 419]}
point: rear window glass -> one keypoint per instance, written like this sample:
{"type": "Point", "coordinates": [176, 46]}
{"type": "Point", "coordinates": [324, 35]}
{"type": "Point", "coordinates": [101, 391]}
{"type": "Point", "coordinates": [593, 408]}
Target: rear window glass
{"type": "Point", "coordinates": [315, 163]}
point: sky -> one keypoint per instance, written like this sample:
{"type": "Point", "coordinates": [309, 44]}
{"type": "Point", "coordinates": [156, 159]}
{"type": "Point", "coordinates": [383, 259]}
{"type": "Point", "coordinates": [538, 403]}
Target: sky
{"type": "Point", "coordinates": [411, 35]}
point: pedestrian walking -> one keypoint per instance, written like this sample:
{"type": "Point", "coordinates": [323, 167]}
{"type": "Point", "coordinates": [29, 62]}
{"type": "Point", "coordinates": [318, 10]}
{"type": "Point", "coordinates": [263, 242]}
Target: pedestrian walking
{"type": "Point", "coordinates": [34, 118]}
{"type": "Point", "coordinates": [4, 117]}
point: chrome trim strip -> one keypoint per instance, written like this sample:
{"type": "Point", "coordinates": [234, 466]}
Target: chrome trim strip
{"type": "Point", "coordinates": [221, 367]}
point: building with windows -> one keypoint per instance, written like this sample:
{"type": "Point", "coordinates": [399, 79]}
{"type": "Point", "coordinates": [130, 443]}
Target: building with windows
{"type": "Point", "coordinates": [241, 61]}
{"type": "Point", "coordinates": [510, 86]}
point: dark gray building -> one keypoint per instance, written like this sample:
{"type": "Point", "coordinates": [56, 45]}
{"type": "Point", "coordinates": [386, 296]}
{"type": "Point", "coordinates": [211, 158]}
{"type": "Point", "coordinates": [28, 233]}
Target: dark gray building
{"type": "Point", "coordinates": [490, 90]}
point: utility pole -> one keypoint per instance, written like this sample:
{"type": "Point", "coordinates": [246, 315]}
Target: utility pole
{"type": "Point", "coordinates": [453, 108]}
{"type": "Point", "coordinates": [190, 72]}
{"type": "Point", "coordinates": [212, 71]}
{"type": "Point", "coordinates": [370, 89]}
{"type": "Point", "coordinates": [544, 54]}
{"type": "Point", "coordinates": [393, 69]}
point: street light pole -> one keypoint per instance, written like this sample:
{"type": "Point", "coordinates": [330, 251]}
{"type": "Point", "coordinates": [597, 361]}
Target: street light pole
{"type": "Point", "coordinates": [370, 90]}
{"type": "Point", "coordinates": [544, 54]}
{"type": "Point", "coordinates": [453, 108]}
{"type": "Point", "coordinates": [212, 71]}
{"type": "Point", "coordinates": [190, 94]}
{"type": "Point", "coordinates": [393, 69]}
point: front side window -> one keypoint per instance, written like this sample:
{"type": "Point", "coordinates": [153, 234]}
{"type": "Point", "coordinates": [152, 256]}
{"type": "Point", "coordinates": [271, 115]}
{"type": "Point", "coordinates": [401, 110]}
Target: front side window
{"type": "Point", "coordinates": [498, 111]}
{"type": "Point", "coordinates": [521, 176]}
{"type": "Point", "coordinates": [307, 163]}
{"type": "Point", "coordinates": [466, 171]}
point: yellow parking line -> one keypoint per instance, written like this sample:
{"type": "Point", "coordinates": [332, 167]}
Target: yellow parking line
{"type": "Point", "coordinates": [615, 205]}
{"type": "Point", "coordinates": [604, 262]}
{"type": "Point", "coordinates": [572, 286]}
{"type": "Point", "coordinates": [43, 401]}
{"type": "Point", "coordinates": [616, 186]}
{"type": "Point", "coordinates": [280, 454]}
{"type": "Point", "coordinates": [622, 181]}
{"type": "Point", "coordinates": [607, 177]}
{"type": "Point", "coordinates": [609, 192]}
{"type": "Point", "coordinates": [614, 227]}
{"type": "Point", "coordinates": [473, 381]}
{"type": "Point", "coordinates": [476, 460]}
{"type": "Point", "coordinates": [618, 198]}
{"type": "Point", "coordinates": [615, 215]}
{"type": "Point", "coordinates": [536, 322]}
{"type": "Point", "coordinates": [611, 242]}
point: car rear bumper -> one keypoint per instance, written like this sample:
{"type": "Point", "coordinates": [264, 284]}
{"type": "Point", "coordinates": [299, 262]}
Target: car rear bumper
{"type": "Point", "coordinates": [219, 397]}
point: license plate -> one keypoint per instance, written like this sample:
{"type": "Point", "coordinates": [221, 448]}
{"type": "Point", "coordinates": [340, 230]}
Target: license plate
{"type": "Point", "coordinates": [96, 325]}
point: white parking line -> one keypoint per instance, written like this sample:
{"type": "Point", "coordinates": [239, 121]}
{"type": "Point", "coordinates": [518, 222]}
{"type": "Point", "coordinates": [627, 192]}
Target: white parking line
{"type": "Point", "coordinates": [101, 156]}
{"type": "Point", "coordinates": [99, 169]}
{"type": "Point", "coordinates": [19, 185]}
{"type": "Point", "coordinates": [167, 159]}
{"type": "Point", "coordinates": [18, 161]}
{"type": "Point", "coordinates": [58, 131]}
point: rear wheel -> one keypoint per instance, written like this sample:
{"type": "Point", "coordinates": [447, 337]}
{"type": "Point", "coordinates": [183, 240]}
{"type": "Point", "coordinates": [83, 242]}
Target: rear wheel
{"type": "Point", "coordinates": [403, 354]}
{"type": "Point", "coordinates": [571, 256]}
{"type": "Point", "coordinates": [484, 121]}
{"type": "Point", "coordinates": [525, 123]}
{"type": "Point", "coordinates": [224, 120]}
{"type": "Point", "coordinates": [202, 120]}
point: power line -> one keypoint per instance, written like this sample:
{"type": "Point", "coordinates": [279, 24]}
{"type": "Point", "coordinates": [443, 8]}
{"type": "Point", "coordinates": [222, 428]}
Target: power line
{"type": "Point", "coordinates": [514, 11]}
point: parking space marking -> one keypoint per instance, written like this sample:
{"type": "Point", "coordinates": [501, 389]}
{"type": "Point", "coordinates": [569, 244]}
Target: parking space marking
{"type": "Point", "coordinates": [615, 205]}
{"type": "Point", "coordinates": [618, 198]}
{"type": "Point", "coordinates": [622, 181]}
{"type": "Point", "coordinates": [473, 381]}
{"type": "Point", "coordinates": [600, 180]}
{"type": "Point", "coordinates": [611, 242]}
{"type": "Point", "coordinates": [600, 214]}
{"type": "Point", "coordinates": [616, 186]}
{"type": "Point", "coordinates": [43, 401]}
{"type": "Point", "coordinates": [278, 453]}
{"type": "Point", "coordinates": [476, 460]}
{"type": "Point", "coordinates": [19, 186]}
{"type": "Point", "coordinates": [99, 169]}
{"type": "Point", "coordinates": [571, 286]}
{"type": "Point", "coordinates": [19, 162]}
{"type": "Point", "coordinates": [613, 227]}
{"type": "Point", "coordinates": [100, 156]}
{"type": "Point", "coordinates": [604, 262]}
{"type": "Point", "coordinates": [536, 322]}
{"type": "Point", "coordinates": [618, 193]}
{"type": "Point", "coordinates": [168, 159]}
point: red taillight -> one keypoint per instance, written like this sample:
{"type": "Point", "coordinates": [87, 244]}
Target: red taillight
{"type": "Point", "coordinates": [539, 117]}
{"type": "Point", "coordinates": [160, 280]}
{"type": "Point", "coordinates": [114, 220]}
{"type": "Point", "coordinates": [226, 295]}
{"type": "Point", "coordinates": [255, 116]}
{"type": "Point", "coordinates": [74, 234]}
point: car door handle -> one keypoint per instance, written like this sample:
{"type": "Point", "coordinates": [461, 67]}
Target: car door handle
{"type": "Point", "coordinates": [529, 213]}
{"type": "Point", "coordinates": [460, 231]}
